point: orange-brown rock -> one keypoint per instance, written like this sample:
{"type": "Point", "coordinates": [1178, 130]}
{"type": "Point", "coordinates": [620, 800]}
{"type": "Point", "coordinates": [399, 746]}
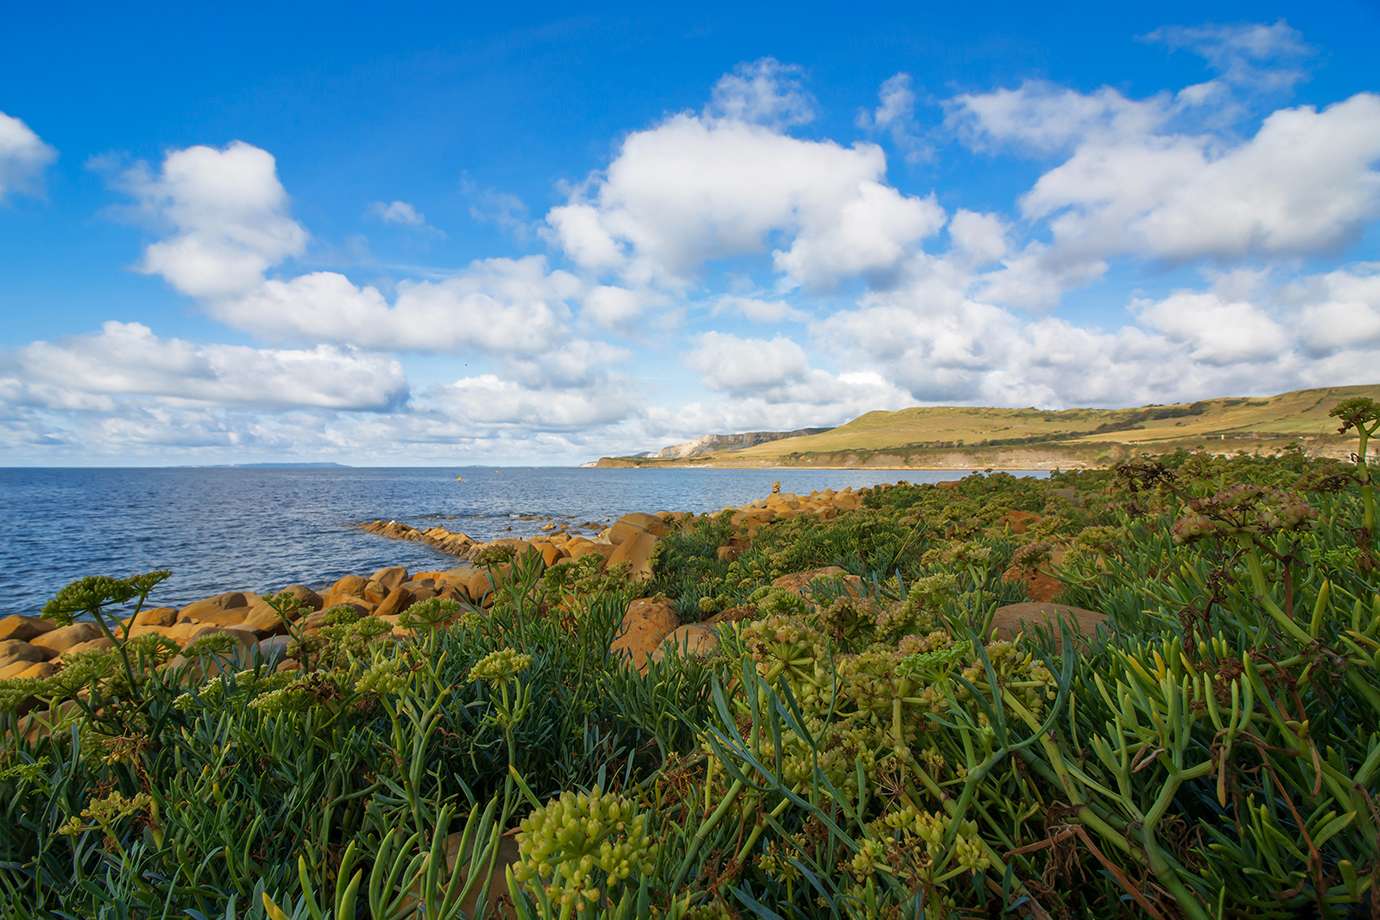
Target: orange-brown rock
{"type": "Point", "coordinates": [636, 553]}
{"type": "Point", "coordinates": [24, 628]}
{"type": "Point", "coordinates": [636, 524]}
{"type": "Point", "coordinates": [398, 600]}
{"type": "Point", "coordinates": [798, 583]}
{"type": "Point", "coordinates": [36, 670]}
{"type": "Point", "coordinates": [390, 577]}
{"type": "Point", "coordinates": [1011, 619]}
{"type": "Point", "coordinates": [305, 596]}
{"type": "Point", "coordinates": [97, 644]}
{"type": "Point", "coordinates": [647, 621]}
{"type": "Point", "coordinates": [262, 620]}
{"type": "Point", "coordinates": [694, 640]}
{"type": "Point", "coordinates": [579, 547]}
{"type": "Point", "coordinates": [155, 616]}
{"type": "Point", "coordinates": [201, 610]}
{"type": "Point", "coordinates": [1039, 583]}
{"type": "Point", "coordinates": [61, 639]}
{"type": "Point", "coordinates": [12, 650]}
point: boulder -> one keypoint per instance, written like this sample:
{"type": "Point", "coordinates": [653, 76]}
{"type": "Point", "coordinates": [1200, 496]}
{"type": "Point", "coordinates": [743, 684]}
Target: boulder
{"type": "Point", "coordinates": [550, 554]}
{"type": "Point", "coordinates": [262, 620]}
{"type": "Point", "coordinates": [579, 547]}
{"type": "Point", "coordinates": [33, 670]}
{"type": "Point", "coordinates": [389, 578]}
{"type": "Point", "coordinates": [61, 639]}
{"type": "Point", "coordinates": [398, 600]}
{"type": "Point", "coordinates": [1012, 619]}
{"type": "Point", "coordinates": [200, 668]}
{"type": "Point", "coordinates": [210, 616]}
{"type": "Point", "coordinates": [694, 640]}
{"type": "Point", "coordinates": [636, 524]}
{"type": "Point", "coordinates": [648, 620]}
{"type": "Point", "coordinates": [155, 616]}
{"type": "Point", "coordinates": [305, 596]}
{"type": "Point", "coordinates": [202, 609]}
{"type": "Point", "coordinates": [636, 553]}
{"type": "Point", "coordinates": [97, 644]}
{"type": "Point", "coordinates": [274, 648]}
{"type": "Point", "coordinates": [12, 650]}
{"type": "Point", "coordinates": [24, 628]}
{"type": "Point", "coordinates": [347, 585]}
{"type": "Point", "coordinates": [798, 583]}
{"type": "Point", "coordinates": [1039, 584]}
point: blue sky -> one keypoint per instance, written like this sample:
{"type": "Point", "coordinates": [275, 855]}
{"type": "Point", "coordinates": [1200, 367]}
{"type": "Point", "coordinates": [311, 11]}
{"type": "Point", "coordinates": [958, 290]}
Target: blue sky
{"type": "Point", "coordinates": [527, 236]}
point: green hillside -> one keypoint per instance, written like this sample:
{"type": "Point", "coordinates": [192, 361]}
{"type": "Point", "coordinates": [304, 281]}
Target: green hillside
{"type": "Point", "coordinates": [960, 436]}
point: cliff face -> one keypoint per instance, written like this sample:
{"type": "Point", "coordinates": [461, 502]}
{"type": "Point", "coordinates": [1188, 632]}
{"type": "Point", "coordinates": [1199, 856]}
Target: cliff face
{"type": "Point", "coordinates": [712, 443]}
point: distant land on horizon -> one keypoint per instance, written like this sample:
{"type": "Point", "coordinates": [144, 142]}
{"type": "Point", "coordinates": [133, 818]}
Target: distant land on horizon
{"type": "Point", "coordinates": [973, 437]}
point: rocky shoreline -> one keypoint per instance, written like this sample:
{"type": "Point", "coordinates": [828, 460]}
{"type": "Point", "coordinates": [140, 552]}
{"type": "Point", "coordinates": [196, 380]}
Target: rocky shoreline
{"type": "Point", "coordinates": [256, 631]}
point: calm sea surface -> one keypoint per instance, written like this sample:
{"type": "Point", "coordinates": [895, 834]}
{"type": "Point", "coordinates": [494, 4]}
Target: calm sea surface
{"type": "Point", "coordinates": [261, 529]}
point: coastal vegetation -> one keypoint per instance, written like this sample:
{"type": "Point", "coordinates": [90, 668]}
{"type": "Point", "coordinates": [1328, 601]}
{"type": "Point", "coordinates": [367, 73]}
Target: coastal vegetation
{"type": "Point", "coordinates": [1146, 690]}
{"type": "Point", "coordinates": [963, 437]}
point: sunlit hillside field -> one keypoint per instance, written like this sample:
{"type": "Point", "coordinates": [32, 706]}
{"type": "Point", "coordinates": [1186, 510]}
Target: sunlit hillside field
{"type": "Point", "coordinates": [879, 740]}
{"type": "Point", "coordinates": [1077, 435]}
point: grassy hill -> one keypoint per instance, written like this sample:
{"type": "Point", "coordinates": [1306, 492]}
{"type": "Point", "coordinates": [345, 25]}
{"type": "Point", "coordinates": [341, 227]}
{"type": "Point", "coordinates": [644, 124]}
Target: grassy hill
{"type": "Point", "coordinates": [957, 436]}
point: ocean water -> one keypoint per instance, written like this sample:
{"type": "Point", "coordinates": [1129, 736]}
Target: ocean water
{"type": "Point", "coordinates": [259, 529]}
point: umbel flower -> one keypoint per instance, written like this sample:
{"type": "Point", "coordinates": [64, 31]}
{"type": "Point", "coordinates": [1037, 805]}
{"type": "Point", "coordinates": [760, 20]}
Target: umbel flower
{"type": "Point", "coordinates": [497, 667]}
{"type": "Point", "coordinates": [582, 845]}
{"type": "Point", "coordinates": [1242, 510]}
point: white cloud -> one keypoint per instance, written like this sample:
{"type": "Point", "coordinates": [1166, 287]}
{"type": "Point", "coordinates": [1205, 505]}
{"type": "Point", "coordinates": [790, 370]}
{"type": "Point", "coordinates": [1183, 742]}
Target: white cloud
{"type": "Point", "coordinates": [127, 359]}
{"type": "Point", "coordinates": [612, 306]}
{"type": "Point", "coordinates": [757, 309]}
{"type": "Point", "coordinates": [1216, 331]}
{"type": "Point", "coordinates": [492, 401]}
{"type": "Point", "coordinates": [691, 190]}
{"type": "Point", "coordinates": [764, 92]}
{"type": "Point", "coordinates": [1251, 56]}
{"type": "Point", "coordinates": [23, 156]}
{"type": "Point", "coordinates": [229, 215]}
{"type": "Point", "coordinates": [895, 116]}
{"type": "Point", "coordinates": [397, 212]}
{"type": "Point", "coordinates": [978, 238]}
{"type": "Point", "coordinates": [500, 305]}
{"type": "Point", "coordinates": [727, 362]}
{"type": "Point", "coordinates": [1045, 118]}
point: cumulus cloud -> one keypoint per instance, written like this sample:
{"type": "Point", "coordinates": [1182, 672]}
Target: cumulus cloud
{"type": "Point", "coordinates": [757, 309]}
{"type": "Point", "coordinates": [499, 305]}
{"type": "Point", "coordinates": [612, 306]}
{"type": "Point", "coordinates": [23, 156]}
{"type": "Point", "coordinates": [1044, 118]}
{"type": "Point", "coordinates": [127, 359]}
{"type": "Point", "coordinates": [691, 190]}
{"type": "Point", "coordinates": [229, 217]}
{"type": "Point", "coordinates": [727, 362]}
{"type": "Point", "coordinates": [895, 117]}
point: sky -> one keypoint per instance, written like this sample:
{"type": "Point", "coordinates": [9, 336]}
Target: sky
{"type": "Point", "coordinates": [421, 236]}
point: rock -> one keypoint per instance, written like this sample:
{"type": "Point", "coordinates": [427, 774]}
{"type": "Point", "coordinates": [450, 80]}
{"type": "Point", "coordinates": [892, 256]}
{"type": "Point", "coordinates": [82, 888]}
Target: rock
{"type": "Point", "coordinates": [200, 668]}
{"type": "Point", "coordinates": [579, 547]}
{"type": "Point", "coordinates": [637, 523]}
{"type": "Point", "coordinates": [12, 650]}
{"type": "Point", "coordinates": [212, 617]}
{"type": "Point", "coordinates": [61, 639]}
{"type": "Point", "coordinates": [274, 648]}
{"type": "Point", "coordinates": [1018, 522]}
{"type": "Point", "coordinates": [647, 621]}
{"type": "Point", "coordinates": [11, 668]}
{"type": "Point", "coordinates": [262, 620]}
{"type": "Point", "coordinates": [156, 616]}
{"type": "Point", "coordinates": [550, 554]}
{"type": "Point", "coordinates": [477, 584]}
{"type": "Point", "coordinates": [389, 578]}
{"type": "Point", "coordinates": [1011, 619]}
{"type": "Point", "coordinates": [90, 645]}
{"type": "Point", "coordinates": [1039, 584]}
{"type": "Point", "coordinates": [636, 553]}
{"type": "Point", "coordinates": [694, 640]}
{"type": "Point", "coordinates": [798, 583]}
{"type": "Point", "coordinates": [398, 600]}
{"type": "Point", "coordinates": [24, 628]}
{"type": "Point", "coordinates": [305, 595]}
{"type": "Point", "coordinates": [36, 670]}
{"type": "Point", "coordinates": [346, 585]}
{"type": "Point", "coordinates": [202, 609]}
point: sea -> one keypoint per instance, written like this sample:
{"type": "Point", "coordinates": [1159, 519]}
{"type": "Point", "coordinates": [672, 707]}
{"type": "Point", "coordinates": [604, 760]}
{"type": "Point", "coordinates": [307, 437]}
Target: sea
{"type": "Point", "coordinates": [240, 528]}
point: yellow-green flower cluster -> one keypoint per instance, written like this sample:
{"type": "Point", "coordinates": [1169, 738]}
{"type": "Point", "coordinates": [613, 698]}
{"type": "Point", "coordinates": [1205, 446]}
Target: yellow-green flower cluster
{"type": "Point", "coordinates": [501, 665]}
{"type": "Point", "coordinates": [384, 677]}
{"type": "Point", "coordinates": [582, 846]}
{"type": "Point", "coordinates": [108, 810]}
